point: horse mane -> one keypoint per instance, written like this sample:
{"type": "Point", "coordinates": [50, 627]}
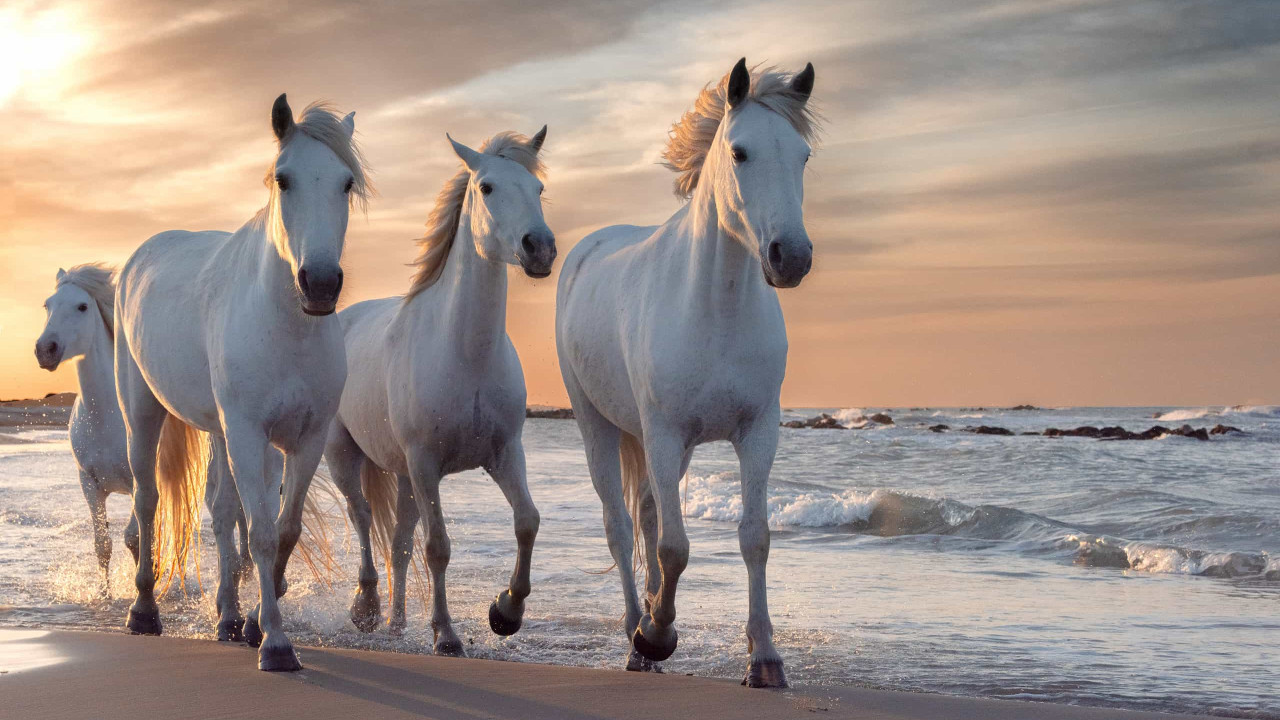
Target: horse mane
{"type": "Point", "coordinates": [322, 123]}
{"type": "Point", "coordinates": [442, 223]}
{"type": "Point", "coordinates": [99, 280]}
{"type": "Point", "coordinates": [690, 138]}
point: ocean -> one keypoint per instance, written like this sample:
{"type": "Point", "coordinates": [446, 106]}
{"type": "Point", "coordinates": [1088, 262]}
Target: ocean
{"type": "Point", "coordinates": [1129, 574]}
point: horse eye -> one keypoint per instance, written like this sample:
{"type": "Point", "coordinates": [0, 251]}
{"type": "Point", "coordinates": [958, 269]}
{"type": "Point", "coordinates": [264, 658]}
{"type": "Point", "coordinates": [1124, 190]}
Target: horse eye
{"type": "Point", "coordinates": [83, 307]}
{"type": "Point", "coordinates": [282, 182]}
{"type": "Point", "coordinates": [739, 155]}
{"type": "Point", "coordinates": [486, 188]}
{"type": "Point", "coordinates": [540, 190]}
{"type": "Point", "coordinates": [806, 159]}
{"type": "Point", "coordinates": [350, 184]}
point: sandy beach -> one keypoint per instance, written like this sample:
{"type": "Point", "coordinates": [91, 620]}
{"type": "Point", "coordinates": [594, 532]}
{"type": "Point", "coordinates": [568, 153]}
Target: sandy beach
{"type": "Point", "coordinates": [61, 674]}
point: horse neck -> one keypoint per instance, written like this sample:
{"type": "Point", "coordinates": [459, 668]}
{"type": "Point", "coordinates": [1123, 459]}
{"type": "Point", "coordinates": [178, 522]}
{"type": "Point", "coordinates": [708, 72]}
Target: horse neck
{"type": "Point", "coordinates": [467, 306]}
{"type": "Point", "coordinates": [719, 265]}
{"type": "Point", "coordinates": [96, 373]}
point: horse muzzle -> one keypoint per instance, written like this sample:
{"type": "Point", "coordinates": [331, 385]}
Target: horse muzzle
{"type": "Point", "coordinates": [320, 287]}
{"type": "Point", "coordinates": [537, 254]}
{"type": "Point", "coordinates": [49, 353]}
{"type": "Point", "coordinates": [786, 262]}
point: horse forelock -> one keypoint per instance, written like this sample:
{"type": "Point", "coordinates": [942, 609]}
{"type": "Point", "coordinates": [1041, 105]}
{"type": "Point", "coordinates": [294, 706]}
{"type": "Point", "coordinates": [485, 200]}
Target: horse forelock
{"type": "Point", "coordinates": [321, 122]}
{"type": "Point", "coordinates": [442, 223]}
{"type": "Point", "coordinates": [99, 280]}
{"type": "Point", "coordinates": [691, 137]}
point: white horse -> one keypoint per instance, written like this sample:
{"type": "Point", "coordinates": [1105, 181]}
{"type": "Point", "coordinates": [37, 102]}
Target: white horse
{"type": "Point", "coordinates": [435, 386]}
{"type": "Point", "coordinates": [672, 336]}
{"type": "Point", "coordinates": [234, 334]}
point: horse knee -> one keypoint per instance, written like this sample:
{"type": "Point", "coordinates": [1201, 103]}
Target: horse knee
{"type": "Point", "coordinates": [438, 551]}
{"type": "Point", "coordinates": [753, 540]}
{"type": "Point", "coordinates": [263, 543]}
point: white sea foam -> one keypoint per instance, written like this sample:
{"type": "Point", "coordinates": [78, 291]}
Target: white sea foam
{"type": "Point", "coordinates": [851, 418]}
{"type": "Point", "coordinates": [718, 497]}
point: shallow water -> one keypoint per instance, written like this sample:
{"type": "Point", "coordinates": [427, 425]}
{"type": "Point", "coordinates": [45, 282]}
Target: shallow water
{"type": "Point", "coordinates": [947, 562]}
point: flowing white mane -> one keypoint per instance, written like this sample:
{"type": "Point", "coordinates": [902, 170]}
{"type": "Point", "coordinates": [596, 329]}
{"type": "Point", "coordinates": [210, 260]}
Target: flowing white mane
{"type": "Point", "coordinates": [322, 123]}
{"type": "Point", "coordinates": [442, 223]}
{"type": "Point", "coordinates": [99, 280]}
{"type": "Point", "coordinates": [691, 137]}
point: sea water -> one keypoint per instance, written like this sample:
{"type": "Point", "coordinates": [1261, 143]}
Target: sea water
{"type": "Point", "coordinates": [1137, 574]}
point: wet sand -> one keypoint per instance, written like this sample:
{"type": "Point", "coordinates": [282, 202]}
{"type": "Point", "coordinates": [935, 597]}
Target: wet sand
{"type": "Point", "coordinates": [61, 674]}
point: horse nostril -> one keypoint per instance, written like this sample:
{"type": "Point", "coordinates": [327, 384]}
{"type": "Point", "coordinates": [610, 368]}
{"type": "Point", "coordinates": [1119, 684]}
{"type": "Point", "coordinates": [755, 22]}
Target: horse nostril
{"type": "Point", "coordinates": [338, 288]}
{"type": "Point", "coordinates": [53, 347]}
{"type": "Point", "coordinates": [302, 280]}
{"type": "Point", "coordinates": [526, 244]}
{"type": "Point", "coordinates": [775, 254]}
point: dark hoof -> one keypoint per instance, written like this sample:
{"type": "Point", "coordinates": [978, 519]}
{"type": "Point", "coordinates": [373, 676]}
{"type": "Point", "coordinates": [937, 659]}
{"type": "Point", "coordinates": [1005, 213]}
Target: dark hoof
{"type": "Point", "coordinates": [639, 663]}
{"type": "Point", "coordinates": [366, 614]}
{"type": "Point", "coordinates": [499, 622]}
{"type": "Point", "coordinates": [231, 630]}
{"type": "Point", "coordinates": [765, 674]}
{"type": "Point", "coordinates": [252, 632]}
{"type": "Point", "coordinates": [144, 622]}
{"type": "Point", "coordinates": [658, 650]}
{"type": "Point", "coordinates": [450, 648]}
{"type": "Point", "coordinates": [278, 659]}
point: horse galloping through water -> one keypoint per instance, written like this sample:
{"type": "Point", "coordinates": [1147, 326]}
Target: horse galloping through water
{"type": "Point", "coordinates": [234, 334]}
{"type": "Point", "coordinates": [672, 336]}
{"type": "Point", "coordinates": [435, 386]}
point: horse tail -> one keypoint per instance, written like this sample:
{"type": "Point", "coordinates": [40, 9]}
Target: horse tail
{"type": "Point", "coordinates": [635, 485]}
{"type": "Point", "coordinates": [380, 489]}
{"type": "Point", "coordinates": [315, 546]}
{"type": "Point", "coordinates": [182, 461]}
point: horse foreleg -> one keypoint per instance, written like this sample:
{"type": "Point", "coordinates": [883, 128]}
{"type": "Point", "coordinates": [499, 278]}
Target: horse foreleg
{"type": "Point", "coordinates": [131, 535]}
{"type": "Point", "coordinates": [508, 471]}
{"type": "Point", "coordinates": [247, 449]}
{"type": "Point", "coordinates": [299, 469]}
{"type": "Point", "coordinates": [224, 507]}
{"type": "Point", "coordinates": [664, 451]}
{"type": "Point", "coordinates": [98, 516]}
{"type": "Point", "coordinates": [425, 473]}
{"type": "Point", "coordinates": [755, 456]}
{"type": "Point", "coordinates": [407, 517]}
{"type": "Point", "coordinates": [345, 461]}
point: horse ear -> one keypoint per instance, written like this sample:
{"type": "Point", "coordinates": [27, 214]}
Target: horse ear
{"type": "Point", "coordinates": [349, 122]}
{"type": "Point", "coordinates": [739, 83]}
{"type": "Point", "coordinates": [281, 118]}
{"type": "Point", "coordinates": [469, 157]}
{"type": "Point", "coordinates": [802, 83]}
{"type": "Point", "coordinates": [61, 274]}
{"type": "Point", "coordinates": [540, 137]}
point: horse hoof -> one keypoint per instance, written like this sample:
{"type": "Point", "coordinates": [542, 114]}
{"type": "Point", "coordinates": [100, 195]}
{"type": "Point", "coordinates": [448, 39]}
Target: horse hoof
{"type": "Point", "coordinates": [252, 632]}
{"type": "Point", "coordinates": [231, 630]}
{"type": "Point", "coordinates": [639, 663]}
{"type": "Point", "coordinates": [396, 626]}
{"type": "Point", "coordinates": [278, 659]}
{"type": "Point", "coordinates": [144, 622]}
{"type": "Point", "coordinates": [765, 674]}
{"type": "Point", "coordinates": [657, 650]}
{"type": "Point", "coordinates": [450, 648]}
{"type": "Point", "coordinates": [499, 622]}
{"type": "Point", "coordinates": [366, 615]}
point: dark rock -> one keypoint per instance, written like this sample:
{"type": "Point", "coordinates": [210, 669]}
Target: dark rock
{"type": "Point", "coordinates": [1096, 554]}
{"type": "Point", "coordinates": [547, 413]}
{"type": "Point", "coordinates": [1023, 407]}
{"type": "Point", "coordinates": [939, 428]}
{"type": "Point", "coordinates": [824, 422]}
{"type": "Point", "coordinates": [793, 424]}
{"type": "Point", "coordinates": [1188, 431]}
{"type": "Point", "coordinates": [881, 418]}
{"type": "Point", "coordinates": [989, 430]}
{"type": "Point", "coordinates": [1029, 433]}
{"type": "Point", "coordinates": [1221, 429]}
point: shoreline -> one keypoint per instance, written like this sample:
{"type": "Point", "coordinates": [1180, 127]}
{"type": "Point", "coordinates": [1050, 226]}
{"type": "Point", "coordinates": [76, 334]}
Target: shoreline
{"type": "Point", "coordinates": [60, 674]}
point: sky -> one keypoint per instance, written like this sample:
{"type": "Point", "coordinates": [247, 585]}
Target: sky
{"type": "Point", "coordinates": [1059, 202]}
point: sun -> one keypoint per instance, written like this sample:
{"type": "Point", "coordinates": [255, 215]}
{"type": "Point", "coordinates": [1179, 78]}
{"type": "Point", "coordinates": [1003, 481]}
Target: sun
{"type": "Point", "coordinates": [36, 48]}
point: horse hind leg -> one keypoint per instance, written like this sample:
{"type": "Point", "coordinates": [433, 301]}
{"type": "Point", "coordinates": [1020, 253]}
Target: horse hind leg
{"type": "Point", "coordinates": [224, 507]}
{"type": "Point", "coordinates": [101, 537]}
{"type": "Point", "coordinates": [425, 473]}
{"type": "Point", "coordinates": [346, 463]}
{"type": "Point", "coordinates": [407, 517]}
{"type": "Point", "coordinates": [508, 471]}
{"type": "Point", "coordinates": [144, 418]}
